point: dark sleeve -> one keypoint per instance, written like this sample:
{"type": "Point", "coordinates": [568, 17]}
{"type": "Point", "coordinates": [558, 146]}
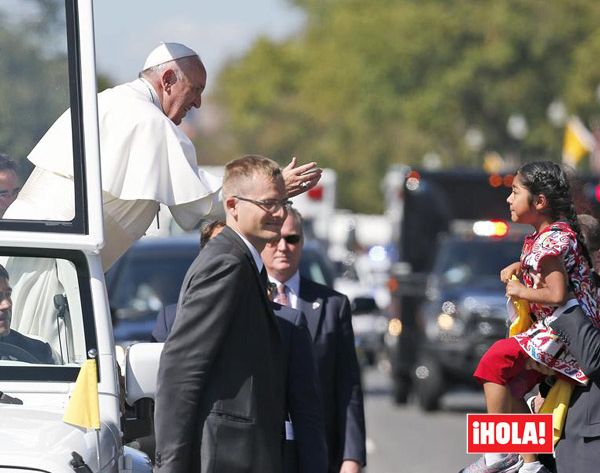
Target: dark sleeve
{"type": "Point", "coordinates": [304, 402]}
{"type": "Point", "coordinates": [206, 310]}
{"type": "Point", "coordinates": [159, 332]}
{"type": "Point", "coordinates": [47, 354]}
{"type": "Point", "coordinates": [350, 415]}
{"type": "Point", "coordinates": [582, 339]}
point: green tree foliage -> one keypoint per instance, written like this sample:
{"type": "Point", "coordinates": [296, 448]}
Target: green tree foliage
{"type": "Point", "coordinates": [34, 85]}
{"type": "Point", "coordinates": [367, 84]}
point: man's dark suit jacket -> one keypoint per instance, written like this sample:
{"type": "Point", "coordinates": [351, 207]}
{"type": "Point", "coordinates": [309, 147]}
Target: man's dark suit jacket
{"type": "Point", "coordinates": [164, 322]}
{"type": "Point", "coordinates": [579, 448]}
{"type": "Point", "coordinates": [41, 351]}
{"type": "Point", "coordinates": [221, 386]}
{"type": "Point", "coordinates": [303, 399]}
{"type": "Point", "coordinates": [329, 322]}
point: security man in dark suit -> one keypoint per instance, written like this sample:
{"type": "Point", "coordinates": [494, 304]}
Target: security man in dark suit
{"type": "Point", "coordinates": [220, 403]}
{"type": "Point", "coordinates": [328, 316]}
{"type": "Point", "coordinates": [304, 446]}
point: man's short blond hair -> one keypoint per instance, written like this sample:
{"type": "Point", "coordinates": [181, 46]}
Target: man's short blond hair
{"type": "Point", "coordinates": [239, 171]}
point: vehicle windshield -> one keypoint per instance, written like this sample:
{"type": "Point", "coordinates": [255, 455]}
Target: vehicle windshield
{"type": "Point", "coordinates": [463, 261]}
{"type": "Point", "coordinates": [145, 282]}
{"type": "Point", "coordinates": [42, 323]}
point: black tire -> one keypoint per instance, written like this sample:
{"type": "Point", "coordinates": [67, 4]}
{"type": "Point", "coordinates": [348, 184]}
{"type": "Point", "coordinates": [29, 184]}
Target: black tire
{"type": "Point", "coordinates": [429, 384]}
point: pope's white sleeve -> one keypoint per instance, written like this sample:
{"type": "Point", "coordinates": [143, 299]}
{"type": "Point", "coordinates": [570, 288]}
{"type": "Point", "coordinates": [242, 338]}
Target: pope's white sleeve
{"type": "Point", "coordinates": [188, 215]}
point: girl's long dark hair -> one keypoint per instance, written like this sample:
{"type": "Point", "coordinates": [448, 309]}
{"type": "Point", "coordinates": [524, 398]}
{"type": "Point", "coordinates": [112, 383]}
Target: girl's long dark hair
{"type": "Point", "coordinates": [550, 179]}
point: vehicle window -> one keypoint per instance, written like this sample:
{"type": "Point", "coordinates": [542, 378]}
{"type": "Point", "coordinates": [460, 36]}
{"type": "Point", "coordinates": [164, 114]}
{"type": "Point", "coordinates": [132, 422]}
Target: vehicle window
{"type": "Point", "coordinates": [147, 282]}
{"type": "Point", "coordinates": [463, 261]}
{"type": "Point", "coordinates": [39, 63]}
{"type": "Point", "coordinates": [41, 315]}
{"type": "Point", "coordinates": [314, 266]}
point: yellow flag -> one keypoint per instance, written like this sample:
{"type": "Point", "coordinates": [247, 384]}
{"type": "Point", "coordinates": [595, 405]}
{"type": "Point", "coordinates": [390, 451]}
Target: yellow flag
{"type": "Point", "coordinates": [578, 142]}
{"type": "Point", "coordinates": [83, 409]}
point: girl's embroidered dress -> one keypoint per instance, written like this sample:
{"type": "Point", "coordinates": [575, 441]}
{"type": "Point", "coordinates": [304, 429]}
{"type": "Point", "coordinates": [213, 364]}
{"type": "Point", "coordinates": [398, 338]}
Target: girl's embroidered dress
{"type": "Point", "coordinates": [540, 342]}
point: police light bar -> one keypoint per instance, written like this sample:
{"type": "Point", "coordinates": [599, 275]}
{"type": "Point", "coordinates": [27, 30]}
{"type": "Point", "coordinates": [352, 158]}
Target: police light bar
{"type": "Point", "coordinates": [490, 228]}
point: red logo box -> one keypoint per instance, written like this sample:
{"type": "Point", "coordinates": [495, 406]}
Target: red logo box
{"type": "Point", "coordinates": [509, 433]}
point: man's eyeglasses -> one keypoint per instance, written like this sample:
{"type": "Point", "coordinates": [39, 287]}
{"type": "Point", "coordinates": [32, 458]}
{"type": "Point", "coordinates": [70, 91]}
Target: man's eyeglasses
{"type": "Point", "coordinates": [269, 205]}
{"type": "Point", "coordinates": [10, 193]}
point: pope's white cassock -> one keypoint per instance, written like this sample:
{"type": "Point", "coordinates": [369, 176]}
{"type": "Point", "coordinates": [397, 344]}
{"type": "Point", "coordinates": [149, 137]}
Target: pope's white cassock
{"type": "Point", "coordinates": [146, 160]}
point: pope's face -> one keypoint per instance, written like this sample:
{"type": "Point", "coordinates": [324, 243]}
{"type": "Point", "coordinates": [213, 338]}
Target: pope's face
{"type": "Point", "coordinates": [185, 92]}
{"type": "Point", "coordinates": [254, 222]}
{"type": "Point", "coordinates": [5, 307]}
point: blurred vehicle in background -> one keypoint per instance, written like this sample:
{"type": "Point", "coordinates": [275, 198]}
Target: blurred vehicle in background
{"type": "Point", "coordinates": [149, 276]}
{"type": "Point", "coordinates": [464, 312]}
{"type": "Point", "coordinates": [429, 205]}
{"type": "Point", "coordinates": [432, 201]}
{"type": "Point", "coordinates": [145, 279]}
{"type": "Point", "coordinates": [370, 325]}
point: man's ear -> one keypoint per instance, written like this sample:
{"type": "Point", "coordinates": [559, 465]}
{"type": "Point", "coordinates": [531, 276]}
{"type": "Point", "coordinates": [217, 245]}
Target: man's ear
{"type": "Point", "coordinates": [168, 78]}
{"type": "Point", "coordinates": [230, 206]}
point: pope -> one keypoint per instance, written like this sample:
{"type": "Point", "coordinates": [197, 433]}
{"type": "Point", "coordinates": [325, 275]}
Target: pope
{"type": "Point", "coordinates": [145, 157]}
{"type": "Point", "coordinates": [146, 160]}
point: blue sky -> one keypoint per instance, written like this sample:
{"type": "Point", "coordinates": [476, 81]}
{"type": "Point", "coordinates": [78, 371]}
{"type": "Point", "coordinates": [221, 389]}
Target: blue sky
{"type": "Point", "coordinates": [126, 30]}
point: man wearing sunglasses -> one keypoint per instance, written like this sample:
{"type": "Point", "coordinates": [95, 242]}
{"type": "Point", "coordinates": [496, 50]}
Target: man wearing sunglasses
{"type": "Point", "coordinates": [328, 316]}
{"type": "Point", "coordinates": [8, 182]}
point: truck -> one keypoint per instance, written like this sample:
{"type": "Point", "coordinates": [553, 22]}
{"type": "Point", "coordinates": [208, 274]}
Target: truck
{"type": "Point", "coordinates": [48, 60]}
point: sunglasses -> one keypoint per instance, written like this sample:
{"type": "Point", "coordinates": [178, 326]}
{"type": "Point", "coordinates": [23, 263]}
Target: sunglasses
{"type": "Point", "coordinates": [292, 239]}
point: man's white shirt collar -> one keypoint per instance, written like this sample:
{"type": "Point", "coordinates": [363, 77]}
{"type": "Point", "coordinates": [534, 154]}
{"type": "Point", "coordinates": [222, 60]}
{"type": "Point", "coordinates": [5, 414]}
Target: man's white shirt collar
{"type": "Point", "coordinates": [293, 288]}
{"type": "Point", "coordinates": [254, 251]}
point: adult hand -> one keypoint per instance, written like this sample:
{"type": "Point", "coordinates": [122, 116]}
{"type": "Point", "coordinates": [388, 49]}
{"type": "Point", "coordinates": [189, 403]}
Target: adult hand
{"type": "Point", "coordinates": [531, 364]}
{"type": "Point", "coordinates": [301, 178]}
{"type": "Point", "coordinates": [350, 466]}
{"type": "Point", "coordinates": [507, 273]}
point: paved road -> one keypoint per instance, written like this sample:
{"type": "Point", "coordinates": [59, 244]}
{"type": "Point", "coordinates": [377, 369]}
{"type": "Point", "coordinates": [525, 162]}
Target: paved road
{"type": "Point", "coordinates": [402, 439]}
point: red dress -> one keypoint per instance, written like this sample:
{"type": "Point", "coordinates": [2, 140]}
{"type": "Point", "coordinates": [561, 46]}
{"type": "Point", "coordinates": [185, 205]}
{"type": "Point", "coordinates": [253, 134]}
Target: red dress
{"type": "Point", "coordinates": [539, 341]}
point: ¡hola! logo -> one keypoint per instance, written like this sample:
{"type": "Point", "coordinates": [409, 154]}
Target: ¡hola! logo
{"type": "Point", "coordinates": [509, 433]}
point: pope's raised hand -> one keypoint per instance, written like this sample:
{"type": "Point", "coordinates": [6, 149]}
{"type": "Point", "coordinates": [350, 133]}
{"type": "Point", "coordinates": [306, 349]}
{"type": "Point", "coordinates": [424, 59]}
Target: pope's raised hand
{"type": "Point", "coordinates": [299, 179]}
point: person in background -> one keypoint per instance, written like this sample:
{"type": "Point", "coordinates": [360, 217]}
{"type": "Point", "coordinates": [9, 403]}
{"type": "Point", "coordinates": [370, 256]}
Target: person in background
{"type": "Point", "coordinates": [220, 402]}
{"type": "Point", "coordinates": [14, 345]}
{"type": "Point", "coordinates": [8, 182]}
{"type": "Point", "coordinates": [329, 323]}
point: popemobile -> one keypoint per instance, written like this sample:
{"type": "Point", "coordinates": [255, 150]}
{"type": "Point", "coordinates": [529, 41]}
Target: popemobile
{"type": "Point", "coordinates": [61, 398]}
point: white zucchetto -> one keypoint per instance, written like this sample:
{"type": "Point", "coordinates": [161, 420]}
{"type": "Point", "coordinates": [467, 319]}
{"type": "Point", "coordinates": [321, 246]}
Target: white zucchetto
{"type": "Point", "coordinates": [166, 52]}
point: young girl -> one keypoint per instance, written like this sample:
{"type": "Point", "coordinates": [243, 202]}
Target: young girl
{"type": "Point", "coordinates": [553, 262]}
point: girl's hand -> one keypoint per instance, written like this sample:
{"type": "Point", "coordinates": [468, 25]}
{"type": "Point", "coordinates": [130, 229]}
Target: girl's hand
{"type": "Point", "coordinates": [514, 289]}
{"type": "Point", "coordinates": [507, 273]}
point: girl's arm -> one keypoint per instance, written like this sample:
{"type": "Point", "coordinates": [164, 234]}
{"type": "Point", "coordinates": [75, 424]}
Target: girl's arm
{"type": "Point", "coordinates": [506, 273]}
{"type": "Point", "coordinates": [554, 290]}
